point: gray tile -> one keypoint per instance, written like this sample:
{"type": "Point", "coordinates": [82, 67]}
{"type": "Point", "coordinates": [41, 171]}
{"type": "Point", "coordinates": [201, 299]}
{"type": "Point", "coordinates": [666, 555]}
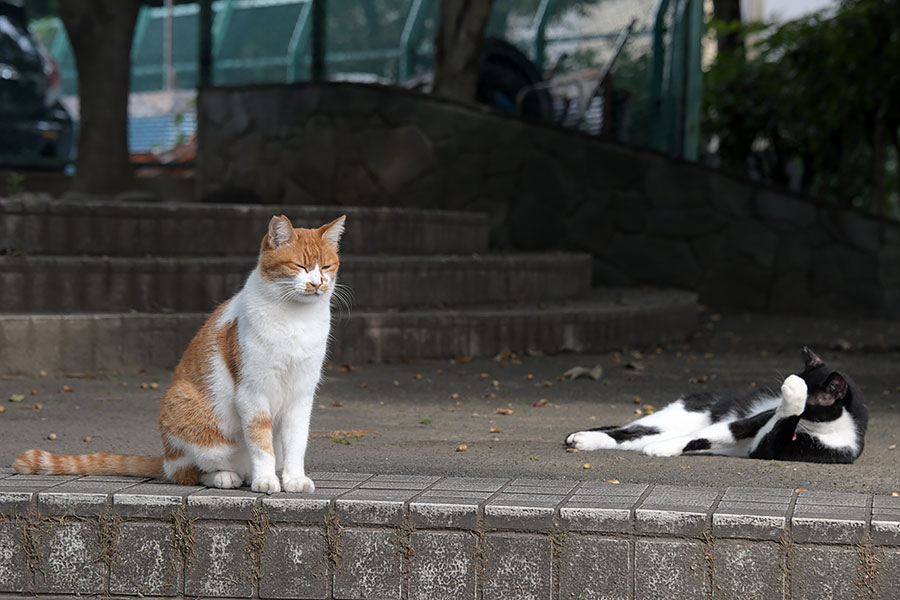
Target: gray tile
{"type": "Point", "coordinates": [471, 484]}
{"type": "Point", "coordinates": [151, 500]}
{"type": "Point", "coordinates": [373, 507]}
{"type": "Point", "coordinates": [223, 504]}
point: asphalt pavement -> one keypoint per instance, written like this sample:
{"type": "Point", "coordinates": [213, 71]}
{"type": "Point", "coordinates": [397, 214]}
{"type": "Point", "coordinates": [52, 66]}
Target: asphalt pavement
{"type": "Point", "coordinates": [507, 416]}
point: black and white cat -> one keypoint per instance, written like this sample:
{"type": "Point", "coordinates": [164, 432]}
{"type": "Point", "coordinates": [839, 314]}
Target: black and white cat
{"type": "Point", "coordinates": [819, 416]}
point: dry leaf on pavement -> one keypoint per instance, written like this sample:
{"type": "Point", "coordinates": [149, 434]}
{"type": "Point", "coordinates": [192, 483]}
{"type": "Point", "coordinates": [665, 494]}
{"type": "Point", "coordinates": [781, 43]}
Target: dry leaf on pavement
{"type": "Point", "coordinates": [578, 372]}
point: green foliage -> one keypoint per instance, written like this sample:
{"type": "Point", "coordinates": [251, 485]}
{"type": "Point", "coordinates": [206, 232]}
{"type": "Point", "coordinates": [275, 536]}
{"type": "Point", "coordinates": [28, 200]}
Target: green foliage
{"type": "Point", "coordinates": [814, 103]}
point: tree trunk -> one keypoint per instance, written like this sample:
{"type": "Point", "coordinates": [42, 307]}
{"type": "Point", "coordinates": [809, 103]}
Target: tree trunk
{"type": "Point", "coordinates": [100, 32]}
{"type": "Point", "coordinates": [458, 48]}
{"type": "Point", "coordinates": [728, 11]}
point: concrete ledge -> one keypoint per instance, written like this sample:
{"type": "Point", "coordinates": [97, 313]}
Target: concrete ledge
{"type": "Point", "coordinates": [400, 536]}
{"type": "Point", "coordinates": [104, 284]}
{"type": "Point", "coordinates": [40, 224]}
{"type": "Point", "coordinates": [607, 319]}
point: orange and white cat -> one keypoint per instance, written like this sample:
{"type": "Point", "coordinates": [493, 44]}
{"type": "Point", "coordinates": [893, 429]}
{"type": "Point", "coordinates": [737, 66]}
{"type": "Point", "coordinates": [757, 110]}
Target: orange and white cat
{"type": "Point", "coordinates": [240, 401]}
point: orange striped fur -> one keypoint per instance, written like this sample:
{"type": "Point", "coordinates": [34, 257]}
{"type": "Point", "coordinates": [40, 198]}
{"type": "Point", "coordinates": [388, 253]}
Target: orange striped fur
{"type": "Point", "coordinates": [40, 462]}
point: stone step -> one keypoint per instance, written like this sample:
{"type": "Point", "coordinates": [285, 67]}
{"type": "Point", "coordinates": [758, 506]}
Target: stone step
{"type": "Point", "coordinates": [41, 225]}
{"type": "Point", "coordinates": [606, 319]}
{"type": "Point", "coordinates": [52, 284]}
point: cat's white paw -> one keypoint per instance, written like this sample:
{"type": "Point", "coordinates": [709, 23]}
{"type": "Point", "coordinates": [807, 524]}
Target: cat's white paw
{"type": "Point", "coordinates": [298, 484]}
{"type": "Point", "coordinates": [266, 484]}
{"type": "Point", "coordinates": [793, 394]}
{"type": "Point", "coordinates": [590, 440]}
{"type": "Point", "coordinates": [665, 448]}
{"type": "Point", "coordinates": [221, 479]}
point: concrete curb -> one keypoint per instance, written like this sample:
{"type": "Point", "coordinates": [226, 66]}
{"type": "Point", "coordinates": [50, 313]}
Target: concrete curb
{"type": "Point", "coordinates": [411, 537]}
{"type": "Point", "coordinates": [124, 341]}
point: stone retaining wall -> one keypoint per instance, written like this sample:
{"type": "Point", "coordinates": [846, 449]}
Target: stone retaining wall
{"type": "Point", "coordinates": [361, 536]}
{"type": "Point", "coordinates": [645, 218]}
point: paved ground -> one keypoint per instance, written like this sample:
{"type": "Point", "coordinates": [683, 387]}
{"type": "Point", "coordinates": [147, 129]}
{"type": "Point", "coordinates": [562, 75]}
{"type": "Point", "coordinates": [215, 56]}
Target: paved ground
{"type": "Point", "coordinates": [414, 416]}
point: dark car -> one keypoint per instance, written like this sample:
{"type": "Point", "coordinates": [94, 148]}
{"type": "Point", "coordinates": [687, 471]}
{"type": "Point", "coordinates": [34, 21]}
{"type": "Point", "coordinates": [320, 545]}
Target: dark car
{"type": "Point", "coordinates": [35, 129]}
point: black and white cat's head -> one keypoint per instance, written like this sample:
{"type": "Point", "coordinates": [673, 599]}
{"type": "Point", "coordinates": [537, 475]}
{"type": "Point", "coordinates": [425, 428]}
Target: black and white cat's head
{"type": "Point", "coordinates": [827, 390]}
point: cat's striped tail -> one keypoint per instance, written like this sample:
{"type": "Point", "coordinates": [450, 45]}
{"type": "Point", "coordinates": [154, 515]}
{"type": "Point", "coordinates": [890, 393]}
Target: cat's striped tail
{"type": "Point", "coordinates": [41, 462]}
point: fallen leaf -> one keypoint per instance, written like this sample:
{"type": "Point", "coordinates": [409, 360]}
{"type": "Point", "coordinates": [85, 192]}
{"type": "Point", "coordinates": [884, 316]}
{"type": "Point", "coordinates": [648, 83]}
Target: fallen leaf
{"type": "Point", "coordinates": [495, 384]}
{"type": "Point", "coordinates": [89, 439]}
{"type": "Point", "coordinates": [337, 403]}
{"type": "Point", "coordinates": [454, 396]}
{"type": "Point", "coordinates": [587, 466]}
{"type": "Point", "coordinates": [637, 354]}
{"type": "Point", "coordinates": [462, 360]}
{"type": "Point", "coordinates": [495, 430]}
{"type": "Point", "coordinates": [154, 385]}
{"type": "Point", "coordinates": [490, 395]}
{"type": "Point", "coordinates": [798, 490]}
{"type": "Point", "coordinates": [572, 450]}
{"type": "Point", "coordinates": [577, 372]}
{"type": "Point", "coordinates": [417, 376]}
{"type": "Point", "coordinates": [530, 376]}
{"type": "Point", "coordinates": [396, 383]}
{"type": "Point", "coordinates": [708, 355]}
{"type": "Point", "coordinates": [504, 411]}
{"type": "Point", "coordinates": [612, 481]}
{"type": "Point", "coordinates": [699, 379]}
{"type": "Point", "coordinates": [16, 397]}
{"type": "Point", "coordinates": [541, 402]}
{"type": "Point", "coordinates": [548, 383]}
{"type": "Point", "coordinates": [52, 436]}
{"type": "Point", "coordinates": [345, 368]}
{"type": "Point", "coordinates": [145, 386]}
{"type": "Point", "coordinates": [43, 372]}
{"type": "Point", "coordinates": [425, 421]}
{"type": "Point", "coordinates": [2, 409]}
{"type": "Point", "coordinates": [34, 392]}
{"type": "Point", "coordinates": [364, 385]}
{"type": "Point", "coordinates": [462, 448]}
{"type": "Point", "coordinates": [440, 371]}
{"type": "Point", "coordinates": [648, 409]}
{"type": "Point", "coordinates": [483, 376]}
{"type": "Point", "coordinates": [38, 406]}
{"type": "Point", "coordinates": [895, 494]}
{"type": "Point", "coordinates": [637, 399]}
{"type": "Point", "coordinates": [637, 367]}
{"type": "Point", "coordinates": [892, 447]}
{"type": "Point", "coordinates": [638, 411]}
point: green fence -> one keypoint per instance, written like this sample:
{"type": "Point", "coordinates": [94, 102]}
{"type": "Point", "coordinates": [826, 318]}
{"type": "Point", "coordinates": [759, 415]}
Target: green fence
{"type": "Point", "coordinates": [656, 73]}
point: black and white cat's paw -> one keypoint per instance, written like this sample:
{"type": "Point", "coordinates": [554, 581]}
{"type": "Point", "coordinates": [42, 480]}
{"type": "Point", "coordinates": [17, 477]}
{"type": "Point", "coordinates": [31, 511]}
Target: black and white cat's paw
{"type": "Point", "coordinates": [590, 440]}
{"type": "Point", "coordinates": [793, 396]}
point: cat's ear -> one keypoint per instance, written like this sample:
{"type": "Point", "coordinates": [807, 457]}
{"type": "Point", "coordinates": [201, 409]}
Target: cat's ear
{"type": "Point", "coordinates": [332, 232]}
{"type": "Point", "coordinates": [809, 357]}
{"type": "Point", "coordinates": [837, 386]}
{"type": "Point", "coordinates": [280, 231]}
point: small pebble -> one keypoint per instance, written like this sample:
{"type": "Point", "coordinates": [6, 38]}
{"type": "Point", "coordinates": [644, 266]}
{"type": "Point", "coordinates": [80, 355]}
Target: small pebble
{"type": "Point", "coordinates": [52, 436]}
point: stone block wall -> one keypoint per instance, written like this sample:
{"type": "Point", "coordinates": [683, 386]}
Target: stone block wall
{"type": "Point", "coordinates": [644, 217]}
{"type": "Point", "coordinates": [417, 537]}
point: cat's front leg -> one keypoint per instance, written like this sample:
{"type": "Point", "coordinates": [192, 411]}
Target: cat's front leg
{"type": "Point", "coordinates": [294, 434]}
{"type": "Point", "coordinates": [256, 423]}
